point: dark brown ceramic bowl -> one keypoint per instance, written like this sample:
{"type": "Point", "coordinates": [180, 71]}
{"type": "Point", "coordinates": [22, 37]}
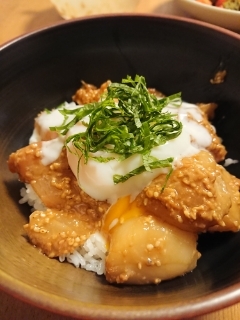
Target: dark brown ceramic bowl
{"type": "Point", "coordinates": [43, 69]}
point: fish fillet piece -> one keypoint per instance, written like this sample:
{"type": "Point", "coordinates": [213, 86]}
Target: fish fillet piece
{"type": "Point", "coordinates": [55, 184]}
{"type": "Point", "coordinates": [57, 233]}
{"type": "Point", "coordinates": [147, 250]}
{"type": "Point", "coordinates": [199, 195]}
{"type": "Point", "coordinates": [71, 215]}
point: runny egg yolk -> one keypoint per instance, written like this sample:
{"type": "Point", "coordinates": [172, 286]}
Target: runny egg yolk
{"type": "Point", "coordinates": [121, 211]}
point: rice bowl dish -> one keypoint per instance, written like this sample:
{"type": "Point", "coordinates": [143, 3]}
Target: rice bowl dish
{"type": "Point", "coordinates": [123, 180]}
{"type": "Point", "coordinates": [60, 287]}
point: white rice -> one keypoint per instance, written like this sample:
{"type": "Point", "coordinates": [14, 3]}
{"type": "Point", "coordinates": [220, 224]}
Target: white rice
{"type": "Point", "coordinates": [29, 196]}
{"type": "Point", "coordinates": [229, 161]}
{"type": "Point", "coordinates": [91, 256]}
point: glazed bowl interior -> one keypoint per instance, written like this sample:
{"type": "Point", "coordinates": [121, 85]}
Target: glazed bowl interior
{"type": "Point", "coordinates": [45, 68]}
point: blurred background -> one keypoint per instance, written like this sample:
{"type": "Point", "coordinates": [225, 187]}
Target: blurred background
{"type": "Point", "coordinates": [21, 16]}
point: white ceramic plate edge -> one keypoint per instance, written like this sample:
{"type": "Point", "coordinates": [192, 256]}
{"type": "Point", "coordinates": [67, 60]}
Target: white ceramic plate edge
{"type": "Point", "coordinates": [229, 19]}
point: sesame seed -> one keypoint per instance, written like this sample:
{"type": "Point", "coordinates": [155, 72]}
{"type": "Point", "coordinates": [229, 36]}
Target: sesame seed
{"type": "Point", "coordinates": [156, 194]}
{"type": "Point", "coordinates": [36, 229]}
{"type": "Point", "coordinates": [158, 263]}
{"type": "Point", "coordinates": [150, 247]}
{"type": "Point", "coordinates": [157, 244]}
{"type": "Point", "coordinates": [150, 193]}
{"type": "Point", "coordinates": [145, 201]}
{"type": "Point", "coordinates": [209, 193]}
{"type": "Point", "coordinates": [77, 239]}
{"type": "Point", "coordinates": [157, 280]}
{"type": "Point", "coordinates": [124, 277]}
{"type": "Point", "coordinates": [179, 219]}
{"type": "Point", "coordinates": [51, 254]}
{"type": "Point", "coordinates": [100, 209]}
{"type": "Point", "coordinates": [42, 230]}
{"type": "Point", "coordinates": [70, 241]}
{"type": "Point", "coordinates": [38, 153]}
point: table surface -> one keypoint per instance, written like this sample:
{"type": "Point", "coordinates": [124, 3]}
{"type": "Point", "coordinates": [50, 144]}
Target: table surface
{"type": "Point", "coordinates": [22, 16]}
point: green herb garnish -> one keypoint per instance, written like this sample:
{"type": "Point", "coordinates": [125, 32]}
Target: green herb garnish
{"type": "Point", "coordinates": [127, 120]}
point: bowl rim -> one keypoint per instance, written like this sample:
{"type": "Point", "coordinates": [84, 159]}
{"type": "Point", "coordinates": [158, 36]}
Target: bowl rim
{"type": "Point", "coordinates": [50, 302]}
{"type": "Point", "coordinates": [162, 16]}
{"type": "Point", "coordinates": [43, 300]}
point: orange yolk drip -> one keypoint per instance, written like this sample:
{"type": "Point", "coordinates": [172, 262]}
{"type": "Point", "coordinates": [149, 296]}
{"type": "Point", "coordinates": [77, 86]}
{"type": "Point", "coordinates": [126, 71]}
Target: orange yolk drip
{"type": "Point", "coordinates": [119, 212]}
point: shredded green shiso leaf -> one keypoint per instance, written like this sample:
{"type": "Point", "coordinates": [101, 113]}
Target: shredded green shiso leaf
{"type": "Point", "coordinates": [127, 120]}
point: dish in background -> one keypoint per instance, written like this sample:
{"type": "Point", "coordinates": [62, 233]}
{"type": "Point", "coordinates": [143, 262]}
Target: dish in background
{"type": "Point", "coordinates": [174, 54]}
{"type": "Point", "coordinates": [229, 19]}
{"type": "Point", "coordinates": [69, 9]}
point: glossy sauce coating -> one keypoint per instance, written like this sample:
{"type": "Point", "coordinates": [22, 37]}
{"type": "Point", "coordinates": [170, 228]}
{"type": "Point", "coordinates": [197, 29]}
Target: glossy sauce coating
{"type": "Point", "coordinates": [199, 196]}
{"type": "Point", "coordinates": [147, 250]}
{"type": "Point", "coordinates": [151, 239]}
{"type": "Point", "coordinates": [70, 214]}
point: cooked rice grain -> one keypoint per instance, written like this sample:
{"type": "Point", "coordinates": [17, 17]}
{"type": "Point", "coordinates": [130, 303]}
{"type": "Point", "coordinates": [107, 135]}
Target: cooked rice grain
{"type": "Point", "coordinates": [29, 196]}
{"type": "Point", "coordinates": [91, 256]}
